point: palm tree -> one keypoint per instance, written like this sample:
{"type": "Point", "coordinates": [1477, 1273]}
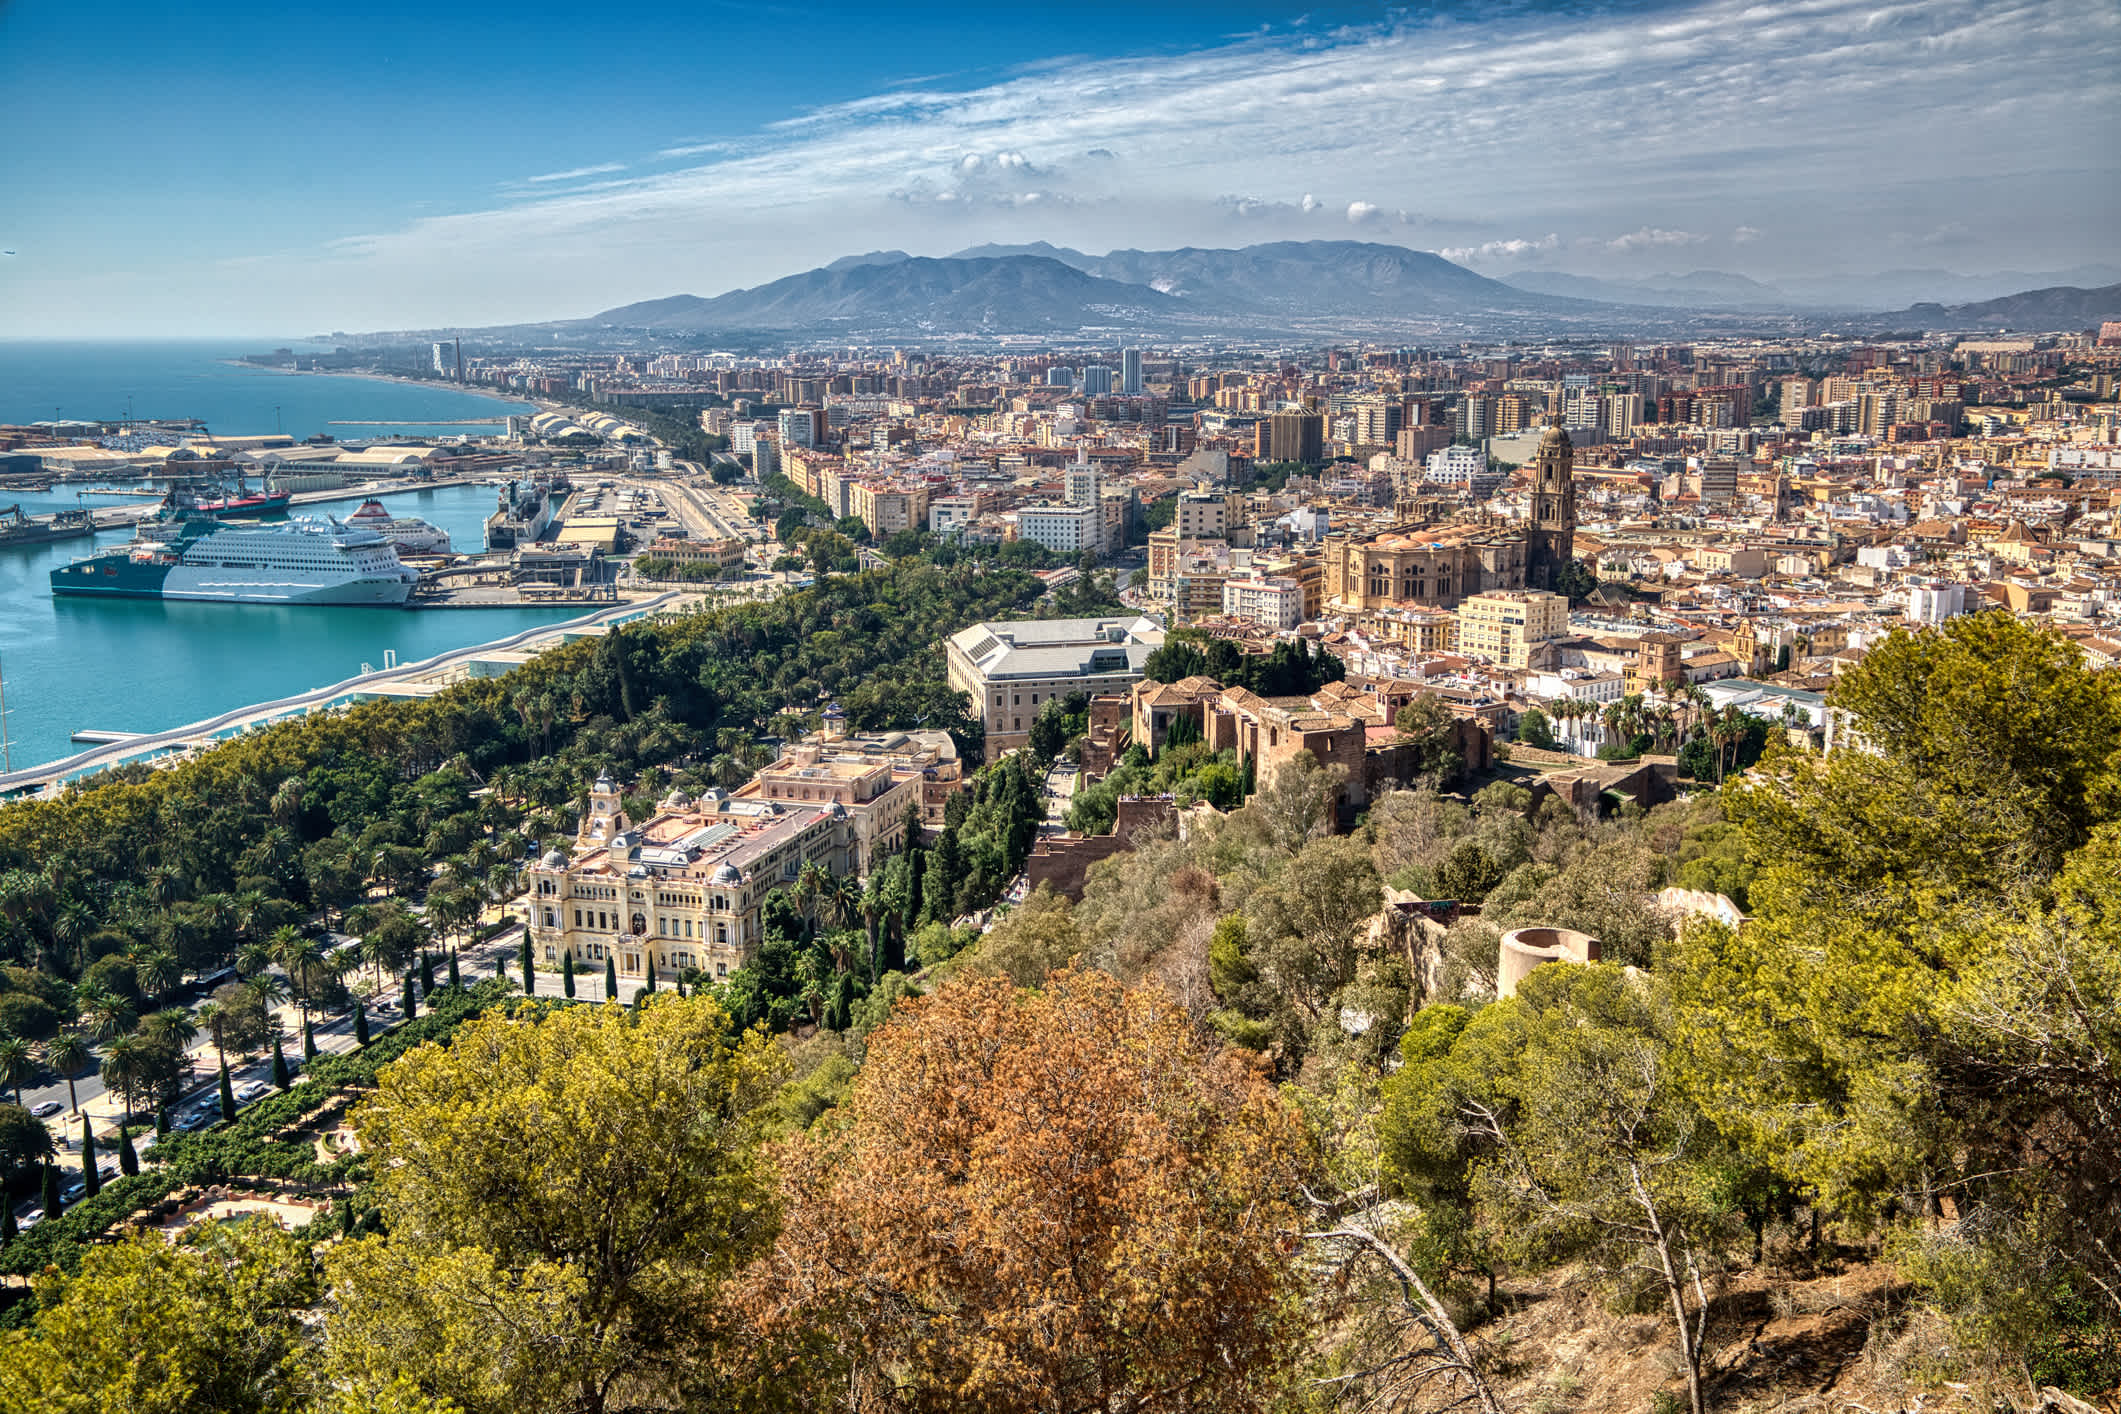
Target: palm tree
{"type": "Point", "coordinates": [158, 972]}
{"type": "Point", "coordinates": [212, 1018]}
{"type": "Point", "coordinates": [267, 988]}
{"type": "Point", "coordinates": [174, 1024]}
{"type": "Point", "coordinates": [287, 802]}
{"type": "Point", "coordinates": [812, 883]}
{"type": "Point", "coordinates": [123, 1063]}
{"type": "Point", "coordinates": [17, 1065]}
{"type": "Point", "coordinates": [72, 926]}
{"type": "Point", "coordinates": [68, 1053]}
{"type": "Point", "coordinates": [108, 1013]}
{"type": "Point", "coordinates": [303, 960]}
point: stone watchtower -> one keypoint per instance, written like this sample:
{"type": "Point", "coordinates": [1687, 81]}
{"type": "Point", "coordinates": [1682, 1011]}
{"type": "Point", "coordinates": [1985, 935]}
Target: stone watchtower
{"type": "Point", "coordinates": [1551, 542]}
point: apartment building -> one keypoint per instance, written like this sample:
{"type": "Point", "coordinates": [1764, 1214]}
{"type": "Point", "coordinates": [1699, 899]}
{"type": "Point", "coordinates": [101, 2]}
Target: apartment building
{"type": "Point", "coordinates": [1505, 626]}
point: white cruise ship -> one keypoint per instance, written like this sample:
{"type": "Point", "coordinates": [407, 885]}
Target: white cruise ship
{"type": "Point", "coordinates": [303, 561]}
{"type": "Point", "coordinates": [410, 534]}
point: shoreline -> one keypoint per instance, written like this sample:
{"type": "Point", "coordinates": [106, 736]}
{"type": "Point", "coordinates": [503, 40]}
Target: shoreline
{"type": "Point", "coordinates": [499, 421]}
{"type": "Point", "coordinates": [41, 776]}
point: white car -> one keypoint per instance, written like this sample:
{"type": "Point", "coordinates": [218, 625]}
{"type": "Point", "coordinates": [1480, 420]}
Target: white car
{"type": "Point", "coordinates": [251, 1089]}
{"type": "Point", "coordinates": [47, 1109]}
{"type": "Point", "coordinates": [30, 1219]}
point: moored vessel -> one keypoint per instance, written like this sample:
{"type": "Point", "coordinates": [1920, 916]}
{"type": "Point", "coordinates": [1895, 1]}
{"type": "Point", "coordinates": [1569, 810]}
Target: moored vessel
{"type": "Point", "coordinates": [410, 534]}
{"type": "Point", "coordinates": [196, 557]}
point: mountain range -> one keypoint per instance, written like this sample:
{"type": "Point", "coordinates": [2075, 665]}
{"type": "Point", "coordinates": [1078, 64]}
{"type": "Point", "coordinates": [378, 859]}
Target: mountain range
{"type": "Point", "coordinates": [1287, 288]}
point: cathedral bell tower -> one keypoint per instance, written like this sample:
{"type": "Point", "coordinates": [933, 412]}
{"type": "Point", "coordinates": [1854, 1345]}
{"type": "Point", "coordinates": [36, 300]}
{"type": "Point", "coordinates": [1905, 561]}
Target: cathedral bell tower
{"type": "Point", "coordinates": [1550, 544]}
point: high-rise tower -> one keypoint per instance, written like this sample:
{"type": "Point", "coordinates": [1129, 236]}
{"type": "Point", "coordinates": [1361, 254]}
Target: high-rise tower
{"type": "Point", "coordinates": [1551, 543]}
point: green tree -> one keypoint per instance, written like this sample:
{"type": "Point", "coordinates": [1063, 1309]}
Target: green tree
{"type": "Point", "coordinates": [228, 1096]}
{"type": "Point", "coordinates": [280, 1076]}
{"type": "Point", "coordinates": [611, 977]}
{"type": "Point", "coordinates": [128, 1157]}
{"type": "Point", "coordinates": [360, 1023]}
{"type": "Point", "coordinates": [17, 1065]}
{"type": "Point", "coordinates": [90, 1178]}
{"type": "Point", "coordinates": [150, 1327]}
{"type": "Point", "coordinates": [23, 1141]}
{"type": "Point", "coordinates": [1534, 730]}
{"type": "Point", "coordinates": [573, 1298]}
{"type": "Point", "coordinates": [530, 972]}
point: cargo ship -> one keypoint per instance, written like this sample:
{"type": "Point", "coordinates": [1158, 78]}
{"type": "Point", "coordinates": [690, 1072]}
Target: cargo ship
{"type": "Point", "coordinates": [197, 557]}
{"type": "Point", "coordinates": [19, 529]}
{"type": "Point", "coordinates": [244, 503]}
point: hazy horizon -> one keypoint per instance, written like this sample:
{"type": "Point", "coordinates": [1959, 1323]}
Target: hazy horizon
{"type": "Point", "coordinates": [230, 171]}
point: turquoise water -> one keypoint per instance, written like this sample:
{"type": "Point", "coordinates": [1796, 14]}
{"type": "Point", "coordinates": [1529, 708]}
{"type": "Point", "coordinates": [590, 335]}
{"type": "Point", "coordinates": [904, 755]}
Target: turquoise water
{"type": "Point", "coordinates": [42, 381]}
{"type": "Point", "coordinates": [145, 665]}
{"type": "Point", "coordinates": [138, 665]}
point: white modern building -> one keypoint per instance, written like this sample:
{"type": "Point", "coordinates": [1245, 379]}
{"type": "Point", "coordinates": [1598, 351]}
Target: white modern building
{"type": "Point", "coordinates": [1065, 530]}
{"type": "Point", "coordinates": [1274, 602]}
{"type": "Point", "coordinates": [1011, 669]}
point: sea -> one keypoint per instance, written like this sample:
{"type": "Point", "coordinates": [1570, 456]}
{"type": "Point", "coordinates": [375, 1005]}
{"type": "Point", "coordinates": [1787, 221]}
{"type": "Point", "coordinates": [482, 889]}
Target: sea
{"type": "Point", "coordinates": [146, 665]}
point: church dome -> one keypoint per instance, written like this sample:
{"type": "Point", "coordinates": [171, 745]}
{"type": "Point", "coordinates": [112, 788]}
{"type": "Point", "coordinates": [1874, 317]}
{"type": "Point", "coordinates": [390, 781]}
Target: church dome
{"type": "Point", "coordinates": [604, 785]}
{"type": "Point", "coordinates": [726, 875]}
{"type": "Point", "coordinates": [677, 800]}
{"type": "Point", "coordinates": [553, 860]}
{"type": "Point", "coordinates": [1555, 434]}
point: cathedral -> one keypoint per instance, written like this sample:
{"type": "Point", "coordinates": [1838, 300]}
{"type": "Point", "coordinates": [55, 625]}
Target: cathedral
{"type": "Point", "coordinates": [1426, 566]}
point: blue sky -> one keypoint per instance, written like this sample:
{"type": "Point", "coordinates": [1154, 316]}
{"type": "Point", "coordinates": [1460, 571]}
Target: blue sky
{"type": "Point", "coordinates": [206, 169]}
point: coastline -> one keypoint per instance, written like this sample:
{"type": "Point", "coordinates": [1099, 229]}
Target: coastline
{"type": "Point", "coordinates": [498, 420]}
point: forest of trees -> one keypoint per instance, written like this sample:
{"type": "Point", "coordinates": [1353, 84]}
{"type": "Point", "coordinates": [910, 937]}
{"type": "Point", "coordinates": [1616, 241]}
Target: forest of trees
{"type": "Point", "coordinates": [1202, 1141]}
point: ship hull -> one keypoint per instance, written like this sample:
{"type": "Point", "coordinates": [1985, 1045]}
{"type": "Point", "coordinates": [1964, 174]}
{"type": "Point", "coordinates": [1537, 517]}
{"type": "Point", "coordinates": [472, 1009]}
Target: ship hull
{"type": "Point", "coordinates": [94, 579]}
{"type": "Point", "coordinates": [43, 535]}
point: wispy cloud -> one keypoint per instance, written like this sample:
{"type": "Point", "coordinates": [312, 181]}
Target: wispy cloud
{"type": "Point", "coordinates": [1488, 252]}
{"type": "Point", "coordinates": [575, 173]}
{"type": "Point", "coordinates": [1622, 134]}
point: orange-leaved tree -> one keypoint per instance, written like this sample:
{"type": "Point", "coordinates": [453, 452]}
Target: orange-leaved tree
{"type": "Point", "coordinates": [1039, 1200]}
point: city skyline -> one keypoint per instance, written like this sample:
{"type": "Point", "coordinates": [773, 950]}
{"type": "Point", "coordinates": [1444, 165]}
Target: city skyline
{"type": "Point", "coordinates": [205, 173]}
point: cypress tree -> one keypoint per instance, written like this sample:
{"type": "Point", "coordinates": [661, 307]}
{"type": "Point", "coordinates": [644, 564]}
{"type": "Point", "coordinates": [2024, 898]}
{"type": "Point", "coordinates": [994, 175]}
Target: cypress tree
{"type": "Point", "coordinates": [309, 1042]}
{"type": "Point", "coordinates": [412, 1003]}
{"type": "Point", "coordinates": [530, 972]}
{"type": "Point", "coordinates": [53, 1203]}
{"type": "Point", "coordinates": [128, 1157]}
{"type": "Point", "coordinates": [162, 1121]}
{"type": "Point", "coordinates": [8, 1231]}
{"type": "Point", "coordinates": [346, 1216]}
{"type": "Point", "coordinates": [89, 1176]}
{"type": "Point", "coordinates": [279, 1065]}
{"type": "Point", "coordinates": [456, 981]}
{"type": "Point", "coordinates": [427, 974]}
{"type": "Point", "coordinates": [649, 984]}
{"type": "Point", "coordinates": [500, 968]}
{"type": "Point", "coordinates": [611, 978]}
{"type": "Point", "coordinates": [228, 1097]}
{"type": "Point", "coordinates": [567, 973]}
{"type": "Point", "coordinates": [360, 1023]}
{"type": "Point", "coordinates": [681, 984]}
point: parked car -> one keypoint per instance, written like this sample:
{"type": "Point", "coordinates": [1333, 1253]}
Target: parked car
{"type": "Point", "coordinates": [251, 1089]}
{"type": "Point", "coordinates": [46, 1109]}
{"type": "Point", "coordinates": [30, 1219]}
{"type": "Point", "coordinates": [73, 1191]}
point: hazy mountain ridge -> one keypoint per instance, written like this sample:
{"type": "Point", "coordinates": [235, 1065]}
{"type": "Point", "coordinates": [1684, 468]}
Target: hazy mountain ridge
{"type": "Point", "coordinates": [1289, 288]}
{"type": "Point", "coordinates": [1018, 292]}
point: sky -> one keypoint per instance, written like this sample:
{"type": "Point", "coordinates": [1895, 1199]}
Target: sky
{"type": "Point", "coordinates": [185, 169]}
